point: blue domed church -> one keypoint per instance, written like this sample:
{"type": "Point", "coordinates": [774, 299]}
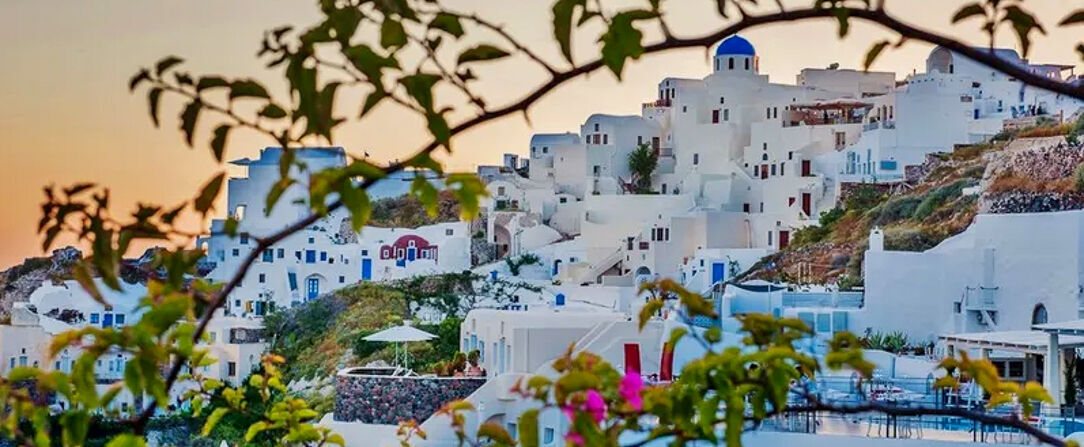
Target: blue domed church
{"type": "Point", "coordinates": [736, 54]}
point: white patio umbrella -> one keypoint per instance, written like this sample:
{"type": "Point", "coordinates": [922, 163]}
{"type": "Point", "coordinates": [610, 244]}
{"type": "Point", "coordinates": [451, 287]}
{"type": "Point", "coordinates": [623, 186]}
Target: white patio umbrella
{"type": "Point", "coordinates": [400, 335]}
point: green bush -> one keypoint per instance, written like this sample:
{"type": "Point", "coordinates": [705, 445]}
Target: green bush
{"type": "Point", "coordinates": [906, 239]}
{"type": "Point", "coordinates": [1078, 178]}
{"type": "Point", "coordinates": [897, 209]}
{"type": "Point", "coordinates": [937, 197]}
{"type": "Point", "coordinates": [863, 198]}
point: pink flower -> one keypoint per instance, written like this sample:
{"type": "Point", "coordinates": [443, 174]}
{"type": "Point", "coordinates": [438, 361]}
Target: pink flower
{"type": "Point", "coordinates": [630, 388]}
{"type": "Point", "coordinates": [595, 406]}
{"type": "Point", "coordinates": [574, 438]}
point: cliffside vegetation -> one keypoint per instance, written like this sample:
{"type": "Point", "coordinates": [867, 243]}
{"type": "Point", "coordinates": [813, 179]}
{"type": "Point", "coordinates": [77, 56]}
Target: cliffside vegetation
{"type": "Point", "coordinates": [407, 211]}
{"type": "Point", "coordinates": [326, 334]}
{"type": "Point", "coordinates": [1022, 171]}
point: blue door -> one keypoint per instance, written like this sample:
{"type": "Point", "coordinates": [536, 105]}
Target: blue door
{"type": "Point", "coordinates": [410, 254]}
{"type": "Point", "coordinates": [313, 286]}
{"type": "Point", "coordinates": [107, 320]}
{"type": "Point", "coordinates": [718, 270]}
{"type": "Point", "coordinates": [366, 269]}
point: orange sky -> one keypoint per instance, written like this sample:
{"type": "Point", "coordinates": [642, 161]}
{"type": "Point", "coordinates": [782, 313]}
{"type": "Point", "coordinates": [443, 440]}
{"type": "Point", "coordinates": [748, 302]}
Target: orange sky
{"type": "Point", "coordinates": [66, 115]}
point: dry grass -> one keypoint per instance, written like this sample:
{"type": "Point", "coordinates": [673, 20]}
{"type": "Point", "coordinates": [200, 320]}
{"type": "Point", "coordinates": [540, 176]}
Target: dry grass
{"type": "Point", "coordinates": [1010, 182]}
{"type": "Point", "coordinates": [1046, 131]}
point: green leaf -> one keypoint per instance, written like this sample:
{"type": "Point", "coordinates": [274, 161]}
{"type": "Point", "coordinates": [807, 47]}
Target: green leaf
{"type": "Point", "coordinates": [83, 276]}
{"type": "Point", "coordinates": [622, 40]}
{"type": "Point", "coordinates": [873, 52]}
{"type": "Point", "coordinates": [127, 440]}
{"type": "Point", "coordinates": [969, 10]}
{"type": "Point", "coordinates": [230, 227]}
{"type": "Point", "coordinates": [392, 34]}
{"type": "Point", "coordinates": [447, 23]}
{"type": "Point", "coordinates": [272, 111]}
{"type": "Point", "coordinates": [206, 198]}
{"type": "Point", "coordinates": [650, 308]}
{"type": "Point", "coordinates": [438, 127]}
{"type": "Point", "coordinates": [153, 97]}
{"type": "Point", "coordinates": [247, 88]}
{"type": "Point", "coordinates": [528, 428]}
{"type": "Point", "coordinates": [371, 101]}
{"type": "Point", "coordinates": [188, 119]}
{"type": "Point", "coordinates": [563, 10]}
{"type": "Point", "coordinates": [140, 77]}
{"type": "Point", "coordinates": [357, 201]}
{"type": "Point", "coordinates": [843, 16]}
{"type": "Point", "coordinates": [213, 419]}
{"type": "Point", "coordinates": [218, 142]}
{"type": "Point", "coordinates": [467, 189]}
{"type": "Point", "coordinates": [370, 63]}
{"type": "Point", "coordinates": [275, 193]}
{"type": "Point", "coordinates": [254, 430]}
{"type": "Point", "coordinates": [420, 87]}
{"type": "Point", "coordinates": [496, 433]}
{"type": "Point", "coordinates": [1073, 18]}
{"type": "Point", "coordinates": [481, 53]}
{"type": "Point", "coordinates": [206, 82]}
{"type": "Point", "coordinates": [426, 194]}
{"type": "Point", "coordinates": [76, 424]}
{"type": "Point", "coordinates": [1023, 23]}
{"type": "Point", "coordinates": [166, 64]}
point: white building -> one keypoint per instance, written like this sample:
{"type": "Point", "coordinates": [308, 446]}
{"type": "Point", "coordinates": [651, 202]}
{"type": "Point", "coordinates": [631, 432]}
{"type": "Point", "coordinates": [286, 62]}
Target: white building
{"type": "Point", "coordinates": [327, 255]}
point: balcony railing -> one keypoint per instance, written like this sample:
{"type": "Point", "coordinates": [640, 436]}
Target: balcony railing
{"type": "Point", "coordinates": [659, 103]}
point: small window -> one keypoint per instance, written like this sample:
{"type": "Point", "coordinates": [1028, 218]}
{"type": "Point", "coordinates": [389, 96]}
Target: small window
{"type": "Point", "coordinates": [94, 318]}
{"type": "Point", "coordinates": [790, 155]}
{"type": "Point", "coordinates": [596, 127]}
{"type": "Point", "coordinates": [323, 256]}
{"type": "Point", "coordinates": [448, 231]}
{"type": "Point", "coordinates": [119, 319]}
{"type": "Point", "coordinates": [342, 279]}
{"type": "Point", "coordinates": [605, 138]}
{"type": "Point", "coordinates": [696, 159]}
{"type": "Point", "coordinates": [244, 238]}
{"type": "Point", "coordinates": [722, 100]}
{"type": "Point", "coordinates": [268, 256]}
{"type": "Point", "coordinates": [730, 64]}
{"type": "Point", "coordinates": [231, 369]}
{"type": "Point", "coordinates": [726, 114]}
{"type": "Point", "coordinates": [365, 252]}
{"type": "Point", "coordinates": [263, 278]}
{"type": "Point", "coordinates": [746, 64]}
{"type": "Point", "coordinates": [312, 240]}
{"type": "Point", "coordinates": [281, 253]}
{"type": "Point", "coordinates": [236, 252]}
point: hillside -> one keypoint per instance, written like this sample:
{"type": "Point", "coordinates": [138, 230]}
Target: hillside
{"type": "Point", "coordinates": [1035, 170]}
{"type": "Point", "coordinates": [325, 334]}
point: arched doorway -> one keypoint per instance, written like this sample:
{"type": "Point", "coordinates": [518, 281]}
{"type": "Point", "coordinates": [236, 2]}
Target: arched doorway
{"type": "Point", "coordinates": [503, 239]}
{"type": "Point", "coordinates": [1039, 315]}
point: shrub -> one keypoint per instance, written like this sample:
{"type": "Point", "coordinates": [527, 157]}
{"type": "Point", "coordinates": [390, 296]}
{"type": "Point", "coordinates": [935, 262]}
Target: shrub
{"type": "Point", "coordinates": [897, 209]}
{"type": "Point", "coordinates": [1078, 178]}
{"type": "Point", "coordinates": [863, 198]}
{"type": "Point", "coordinates": [937, 197]}
{"type": "Point", "coordinates": [526, 259]}
{"type": "Point", "coordinates": [975, 172]}
{"type": "Point", "coordinates": [907, 239]}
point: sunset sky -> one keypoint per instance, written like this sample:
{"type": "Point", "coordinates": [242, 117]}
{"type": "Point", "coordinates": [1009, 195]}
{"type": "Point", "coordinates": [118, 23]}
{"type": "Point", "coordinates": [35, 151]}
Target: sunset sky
{"type": "Point", "coordinates": [66, 114]}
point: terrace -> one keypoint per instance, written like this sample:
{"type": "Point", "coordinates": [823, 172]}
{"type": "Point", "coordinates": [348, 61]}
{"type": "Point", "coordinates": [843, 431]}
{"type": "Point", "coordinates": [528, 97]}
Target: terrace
{"type": "Point", "coordinates": [826, 113]}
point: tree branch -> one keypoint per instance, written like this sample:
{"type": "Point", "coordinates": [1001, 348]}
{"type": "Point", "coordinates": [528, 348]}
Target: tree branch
{"type": "Point", "coordinates": [559, 78]}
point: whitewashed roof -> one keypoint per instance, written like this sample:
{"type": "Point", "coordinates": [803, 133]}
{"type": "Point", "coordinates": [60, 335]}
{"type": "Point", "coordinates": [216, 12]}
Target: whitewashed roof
{"type": "Point", "coordinates": [1019, 341]}
{"type": "Point", "coordinates": [1073, 327]}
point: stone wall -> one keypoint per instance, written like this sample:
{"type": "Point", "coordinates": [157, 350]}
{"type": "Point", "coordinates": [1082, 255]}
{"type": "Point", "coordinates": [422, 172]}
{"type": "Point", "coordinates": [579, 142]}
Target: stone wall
{"type": "Point", "coordinates": [391, 400]}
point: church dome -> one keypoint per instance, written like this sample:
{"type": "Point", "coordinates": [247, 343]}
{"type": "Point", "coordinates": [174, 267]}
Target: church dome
{"type": "Point", "coordinates": [735, 45]}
